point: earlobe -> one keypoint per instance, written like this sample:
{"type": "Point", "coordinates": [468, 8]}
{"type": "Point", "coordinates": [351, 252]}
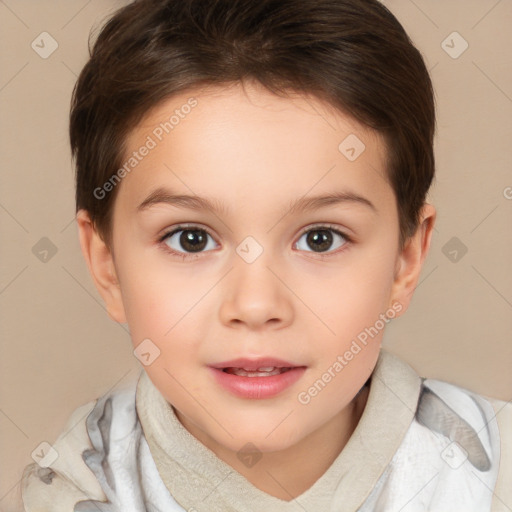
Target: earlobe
{"type": "Point", "coordinates": [101, 266]}
{"type": "Point", "coordinates": [411, 258]}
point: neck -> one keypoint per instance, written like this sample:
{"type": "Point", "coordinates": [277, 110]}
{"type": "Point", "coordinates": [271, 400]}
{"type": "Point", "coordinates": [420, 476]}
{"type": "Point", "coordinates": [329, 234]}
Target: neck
{"type": "Point", "coordinates": [288, 473]}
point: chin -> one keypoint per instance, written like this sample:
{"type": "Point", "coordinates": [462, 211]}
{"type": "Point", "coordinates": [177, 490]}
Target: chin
{"type": "Point", "coordinates": [261, 444]}
{"type": "Point", "coordinates": [267, 438]}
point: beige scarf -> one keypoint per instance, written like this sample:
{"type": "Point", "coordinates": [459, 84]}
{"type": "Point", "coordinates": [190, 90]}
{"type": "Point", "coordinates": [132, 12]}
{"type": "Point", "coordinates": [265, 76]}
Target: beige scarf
{"type": "Point", "coordinates": [200, 481]}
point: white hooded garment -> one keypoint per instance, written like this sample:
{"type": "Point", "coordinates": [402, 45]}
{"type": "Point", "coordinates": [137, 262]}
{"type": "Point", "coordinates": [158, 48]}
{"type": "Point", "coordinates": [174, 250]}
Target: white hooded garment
{"type": "Point", "coordinates": [421, 445]}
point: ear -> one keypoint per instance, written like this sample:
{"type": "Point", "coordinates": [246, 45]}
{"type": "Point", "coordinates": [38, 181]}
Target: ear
{"type": "Point", "coordinates": [410, 260]}
{"type": "Point", "coordinates": [101, 266]}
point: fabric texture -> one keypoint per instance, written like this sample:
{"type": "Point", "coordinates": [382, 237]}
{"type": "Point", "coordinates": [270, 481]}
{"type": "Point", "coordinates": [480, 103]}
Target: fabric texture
{"type": "Point", "coordinates": [420, 445]}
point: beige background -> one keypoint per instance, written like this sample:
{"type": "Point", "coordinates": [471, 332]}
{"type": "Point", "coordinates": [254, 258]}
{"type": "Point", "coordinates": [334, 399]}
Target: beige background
{"type": "Point", "coordinates": [59, 348]}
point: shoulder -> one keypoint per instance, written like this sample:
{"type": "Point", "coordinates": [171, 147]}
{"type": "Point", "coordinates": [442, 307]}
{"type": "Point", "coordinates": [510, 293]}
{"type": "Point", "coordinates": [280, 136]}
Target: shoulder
{"type": "Point", "coordinates": [63, 476]}
{"type": "Point", "coordinates": [503, 491]}
{"type": "Point", "coordinates": [473, 429]}
{"type": "Point", "coordinates": [503, 411]}
{"type": "Point", "coordinates": [454, 452]}
{"type": "Point", "coordinates": [61, 471]}
{"type": "Point", "coordinates": [439, 399]}
{"type": "Point", "coordinates": [463, 417]}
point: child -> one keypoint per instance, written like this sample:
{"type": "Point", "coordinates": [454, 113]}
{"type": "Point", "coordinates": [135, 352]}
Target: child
{"type": "Point", "coordinates": [251, 185]}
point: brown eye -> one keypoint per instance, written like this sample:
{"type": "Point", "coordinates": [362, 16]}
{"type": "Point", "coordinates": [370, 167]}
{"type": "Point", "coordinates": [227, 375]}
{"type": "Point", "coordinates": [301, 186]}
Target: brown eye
{"type": "Point", "coordinates": [321, 239]}
{"type": "Point", "coordinates": [189, 240]}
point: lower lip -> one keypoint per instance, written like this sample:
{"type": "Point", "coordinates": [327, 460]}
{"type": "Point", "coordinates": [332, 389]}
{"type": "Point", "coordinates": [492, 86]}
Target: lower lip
{"type": "Point", "coordinates": [258, 387]}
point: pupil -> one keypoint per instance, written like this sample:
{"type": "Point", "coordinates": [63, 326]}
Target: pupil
{"type": "Point", "coordinates": [319, 240]}
{"type": "Point", "coordinates": [193, 240]}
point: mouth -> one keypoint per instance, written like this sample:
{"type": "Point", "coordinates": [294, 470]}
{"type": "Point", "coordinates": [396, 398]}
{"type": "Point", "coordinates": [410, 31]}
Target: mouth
{"type": "Point", "coordinates": [264, 371]}
{"type": "Point", "coordinates": [257, 378]}
{"type": "Point", "coordinates": [259, 364]}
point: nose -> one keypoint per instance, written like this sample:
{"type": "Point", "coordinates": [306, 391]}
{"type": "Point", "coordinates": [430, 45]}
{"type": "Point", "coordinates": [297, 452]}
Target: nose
{"type": "Point", "coordinates": [254, 295]}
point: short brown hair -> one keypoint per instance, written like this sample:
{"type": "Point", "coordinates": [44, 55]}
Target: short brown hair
{"type": "Point", "coordinates": [354, 54]}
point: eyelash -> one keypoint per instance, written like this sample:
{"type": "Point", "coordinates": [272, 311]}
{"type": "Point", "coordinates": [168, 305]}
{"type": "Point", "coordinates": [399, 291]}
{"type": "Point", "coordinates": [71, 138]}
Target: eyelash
{"type": "Point", "coordinates": [184, 256]}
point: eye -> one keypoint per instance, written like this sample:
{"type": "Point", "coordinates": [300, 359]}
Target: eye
{"type": "Point", "coordinates": [321, 239]}
{"type": "Point", "coordinates": [191, 239]}
{"type": "Point", "coordinates": [185, 241]}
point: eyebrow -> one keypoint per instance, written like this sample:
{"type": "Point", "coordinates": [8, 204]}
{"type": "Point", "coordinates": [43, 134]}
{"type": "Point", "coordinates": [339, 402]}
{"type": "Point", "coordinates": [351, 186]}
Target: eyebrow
{"type": "Point", "coordinates": [303, 204]}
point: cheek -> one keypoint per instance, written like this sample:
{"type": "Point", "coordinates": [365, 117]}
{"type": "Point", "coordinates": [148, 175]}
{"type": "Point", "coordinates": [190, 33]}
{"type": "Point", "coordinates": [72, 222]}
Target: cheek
{"type": "Point", "coordinates": [145, 306]}
{"type": "Point", "coordinates": [378, 267]}
{"type": "Point", "coordinates": [353, 297]}
{"type": "Point", "coordinates": [162, 304]}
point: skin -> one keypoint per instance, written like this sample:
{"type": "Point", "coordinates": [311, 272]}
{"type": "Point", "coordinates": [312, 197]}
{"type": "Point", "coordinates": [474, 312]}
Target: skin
{"type": "Point", "coordinates": [256, 153]}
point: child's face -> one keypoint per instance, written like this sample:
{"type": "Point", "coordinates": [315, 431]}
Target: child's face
{"type": "Point", "coordinates": [256, 156]}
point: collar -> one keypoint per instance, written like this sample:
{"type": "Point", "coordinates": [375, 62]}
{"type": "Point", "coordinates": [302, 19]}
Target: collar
{"type": "Point", "coordinates": [199, 480]}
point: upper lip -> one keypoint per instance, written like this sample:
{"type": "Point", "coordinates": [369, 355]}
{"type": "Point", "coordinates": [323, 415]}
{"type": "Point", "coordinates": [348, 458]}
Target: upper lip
{"type": "Point", "coordinates": [254, 364]}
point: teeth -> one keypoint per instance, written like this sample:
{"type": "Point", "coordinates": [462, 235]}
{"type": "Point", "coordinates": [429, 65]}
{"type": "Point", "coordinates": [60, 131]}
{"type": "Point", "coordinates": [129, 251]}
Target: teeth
{"type": "Point", "coordinates": [266, 371]}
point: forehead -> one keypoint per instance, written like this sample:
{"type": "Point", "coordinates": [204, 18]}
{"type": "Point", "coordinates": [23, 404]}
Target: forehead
{"type": "Point", "coordinates": [243, 140]}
